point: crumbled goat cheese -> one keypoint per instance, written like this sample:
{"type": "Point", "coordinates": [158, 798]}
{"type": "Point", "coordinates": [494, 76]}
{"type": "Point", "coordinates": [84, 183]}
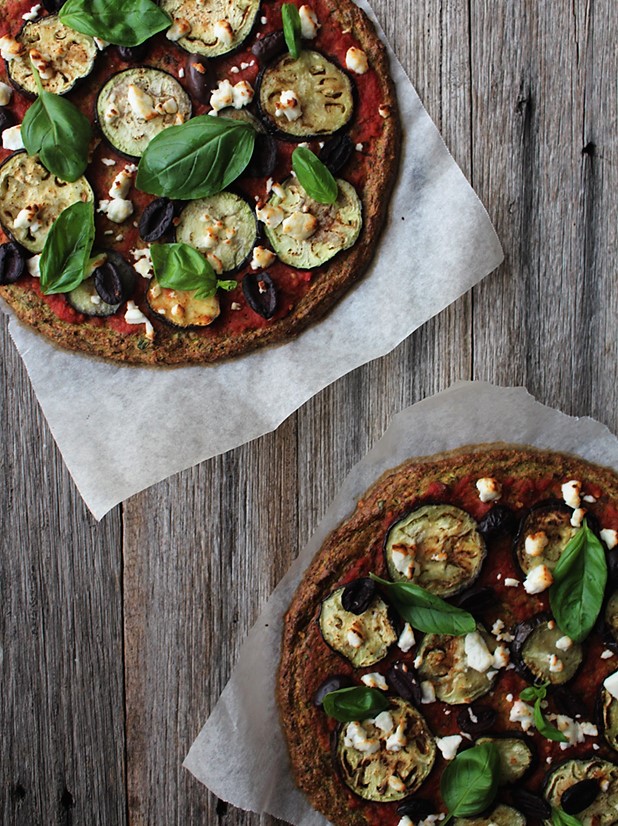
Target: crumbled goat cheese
{"type": "Point", "coordinates": [406, 638]}
{"type": "Point", "coordinates": [536, 543]}
{"type": "Point", "coordinates": [404, 563]}
{"type": "Point", "coordinates": [611, 684]}
{"type": "Point", "coordinates": [26, 217]}
{"type": "Point", "coordinates": [10, 48]}
{"type": "Point", "coordinates": [116, 209]}
{"type": "Point", "coordinates": [354, 640]}
{"type": "Point", "coordinates": [607, 654]}
{"type": "Point", "coordinates": [428, 692]}
{"type": "Point", "coordinates": [396, 783]}
{"type": "Point", "coordinates": [34, 266]}
{"type": "Point", "coordinates": [564, 643]}
{"type": "Point", "coordinates": [309, 25]}
{"type": "Point", "coordinates": [179, 28]}
{"type": "Point", "coordinates": [262, 258]}
{"type": "Point", "coordinates": [11, 138]}
{"type": "Point", "coordinates": [33, 13]}
{"type": "Point", "coordinates": [449, 745]}
{"type": "Point", "coordinates": [122, 182]}
{"type": "Point", "coordinates": [523, 714]}
{"type": "Point", "coordinates": [300, 225]}
{"type": "Point", "coordinates": [477, 654]}
{"type": "Point", "coordinates": [356, 737]}
{"type": "Point", "coordinates": [555, 664]}
{"type": "Point", "coordinates": [101, 44]}
{"type": "Point", "coordinates": [574, 732]}
{"type": "Point", "coordinates": [539, 579]}
{"type": "Point", "coordinates": [489, 489]}
{"type": "Point", "coordinates": [589, 498]}
{"type": "Point", "coordinates": [405, 821]}
{"type": "Point", "coordinates": [224, 32]}
{"type": "Point", "coordinates": [397, 739]}
{"type": "Point", "coordinates": [374, 680]}
{"type": "Point", "coordinates": [384, 721]}
{"type": "Point", "coordinates": [108, 162]}
{"type": "Point", "coordinates": [288, 105]}
{"type": "Point", "coordinates": [6, 93]}
{"type": "Point", "coordinates": [577, 517]}
{"type": "Point", "coordinates": [134, 315]}
{"type": "Point", "coordinates": [511, 583]}
{"type": "Point", "coordinates": [272, 216]}
{"type": "Point", "coordinates": [143, 262]}
{"type": "Point", "coordinates": [42, 64]}
{"type": "Point", "coordinates": [497, 629]}
{"type": "Point", "coordinates": [141, 104]}
{"type": "Point", "coordinates": [226, 95]}
{"type": "Point", "coordinates": [356, 60]}
{"type": "Point", "coordinates": [570, 493]}
{"type": "Point", "coordinates": [502, 655]}
{"type": "Point", "coordinates": [610, 537]}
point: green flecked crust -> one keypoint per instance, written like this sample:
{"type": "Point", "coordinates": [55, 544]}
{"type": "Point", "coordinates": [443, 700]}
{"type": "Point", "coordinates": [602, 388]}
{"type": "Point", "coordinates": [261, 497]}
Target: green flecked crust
{"type": "Point", "coordinates": [397, 491]}
{"type": "Point", "coordinates": [189, 347]}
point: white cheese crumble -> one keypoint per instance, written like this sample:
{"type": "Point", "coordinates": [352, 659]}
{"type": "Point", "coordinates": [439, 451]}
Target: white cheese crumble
{"type": "Point", "coordinates": [134, 315]}
{"type": "Point", "coordinates": [225, 95]}
{"type": "Point", "coordinates": [356, 60]}
{"type": "Point", "coordinates": [555, 664]}
{"type": "Point", "coordinates": [353, 639]}
{"type": "Point", "coordinates": [224, 32]}
{"type": "Point", "coordinates": [497, 629]}
{"type": "Point", "coordinates": [570, 493]}
{"type": "Point", "coordinates": [272, 216]}
{"type": "Point", "coordinates": [406, 638]}
{"type": "Point", "coordinates": [263, 20]}
{"type": "Point", "coordinates": [577, 517]}
{"type": "Point", "coordinates": [539, 579]}
{"type": "Point", "coordinates": [536, 543]}
{"type": "Point", "coordinates": [141, 104]}
{"type": "Point", "coordinates": [611, 684]}
{"type": "Point", "coordinates": [288, 105]}
{"type": "Point", "coordinates": [116, 209]}
{"type": "Point", "coordinates": [42, 64]}
{"type": "Point", "coordinates": [405, 821]}
{"type": "Point", "coordinates": [108, 162]}
{"type": "Point", "coordinates": [6, 93]}
{"type": "Point", "coordinates": [34, 266]}
{"type": "Point", "coordinates": [564, 643]}
{"type": "Point", "coordinates": [502, 655]}
{"type": "Point", "coordinates": [396, 783]}
{"type": "Point", "coordinates": [359, 147]}
{"type": "Point", "coordinates": [589, 498]}
{"type": "Point", "coordinates": [262, 258]}
{"type": "Point", "coordinates": [26, 217]}
{"type": "Point", "coordinates": [235, 305]}
{"type": "Point", "coordinates": [574, 732]}
{"type": "Point", "coordinates": [605, 655]}
{"type": "Point", "coordinates": [101, 44]}
{"type": "Point", "coordinates": [179, 28]}
{"type": "Point", "coordinates": [309, 25]}
{"type": "Point", "coordinates": [143, 262]}
{"type": "Point", "coordinates": [523, 714]}
{"type": "Point", "coordinates": [10, 48]}
{"type": "Point", "coordinates": [489, 489]}
{"type": "Point", "coordinates": [374, 680]}
{"type": "Point", "coordinates": [428, 692]}
{"type": "Point", "coordinates": [478, 655]}
{"type": "Point", "coordinates": [122, 182]}
{"type": "Point", "coordinates": [397, 739]}
{"type": "Point", "coordinates": [403, 562]}
{"type": "Point", "coordinates": [11, 138]}
{"type": "Point", "coordinates": [356, 737]}
{"type": "Point", "coordinates": [449, 745]}
{"type": "Point", "coordinates": [300, 225]}
{"type": "Point", "coordinates": [33, 13]}
{"type": "Point", "coordinates": [384, 721]}
{"type": "Point", "coordinates": [610, 537]}
{"type": "Point", "coordinates": [511, 583]}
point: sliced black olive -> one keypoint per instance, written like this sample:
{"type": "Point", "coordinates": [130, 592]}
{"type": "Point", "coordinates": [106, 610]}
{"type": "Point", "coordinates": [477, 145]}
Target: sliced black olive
{"type": "Point", "coordinates": [261, 293]}
{"type": "Point", "coordinates": [266, 48]}
{"type": "Point", "coordinates": [499, 519]}
{"type": "Point", "coordinates": [333, 683]}
{"type": "Point", "coordinates": [477, 720]}
{"type": "Point", "coordinates": [358, 595]}
{"type": "Point", "coordinates": [532, 805]}
{"type": "Point", "coordinates": [336, 152]}
{"type": "Point", "coordinates": [264, 158]}
{"type": "Point", "coordinates": [579, 796]}
{"type": "Point", "coordinates": [199, 78]}
{"type": "Point", "coordinates": [156, 219]}
{"type": "Point", "coordinates": [402, 679]}
{"type": "Point", "coordinates": [416, 808]}
{"type": "Point", "coordinates": [108, 283]}
{"type": "Point", "coordinates": [134, 54]}
{"type": "Point", "coordinates": [12, 263]}
{"type": "Point", "coordinates": [477, 598]}
{"type": "Point", "coordinates": [7, 119]}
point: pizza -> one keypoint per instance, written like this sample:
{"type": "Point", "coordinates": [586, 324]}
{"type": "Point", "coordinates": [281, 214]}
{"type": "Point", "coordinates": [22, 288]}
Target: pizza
{"type": "Point", "coordinates": [451, 650]}
{"type": "Point", "coordinates": [137, 227]}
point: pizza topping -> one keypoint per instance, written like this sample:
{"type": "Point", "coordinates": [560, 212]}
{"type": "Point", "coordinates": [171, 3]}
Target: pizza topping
{"type": "Point", "coordinates": [406, 639]}
{"type": "Point", "coordinates": [356, 738]}
{"type": "Point", "coordinates": [548, 525]}
{"type": "Point", "coordinates": [12, 263]}
{"type": "Point", "coordinates": [214, 28]}
{"type": "Point", "coordinates": [356, 60]}
{"type": "Point", "coordinates": [134, 315]}
{"type": "Point", "coordinates": [300, 225]}
{"type": "Point", "coordinates": [239, 95]}
{"type": "Point", "coordinates": [571, 493]}
{"type": "Point", "coordinates": [260, 293]}
{"type": "Point", "coordinates": [577, 517]}
{"type": "Point", "coordinates": [10, 48]}
{"type": "Point", "coordinates": [610, 537]}
{"type": "Point", "coordinates": [156, 219]}
{"type": "Point", "coordinates": [179, 28]}
{"type": "Point", "coordinates": [600, 808]}
{"type": "Point", "coordinates": [5, 94]}
{"type": "Point", "coordinates": [122, 182]}
{"type": "Point", "coordinates": [523, 714]}
{"type": "Point", "coordinates": [262, 258]}
{"type": "Point", "coordinates": [537, 655]}
{"type": "Point", "coordinates": [269, 47]}
{"type": "Point", "coordinates": [516, 757]}
{"type": "Point", "coordinates": [288, 105]}
{"type": "Point", "coordinates": [116, 209]}
{"type": "Point", "coordinates": [478, 655]}
{"type": "Point", "coordinates": [449, 745]}
{"type": "Point", "coordinates": [375, 680]}
{"type": "Point", "coordinates": [538, 580]}
{"type": "Point", "coordinates": [309, 25]}
{"type": "Point", "coordinates": [12, 138]}
{"type": "Point", "coordinates": [182, 308]}
{"type": "Point", "coordinates": [329, 685]}
{"type": "Point", "coordinates": [111, 282]}
{"type": "Point", "coordinates": [489, 489]}
{"type": "Point", "coordinates": [200, 77]}
{"type": "Point", "coordinates": [535, 543]}
{"type": "Point", "coordinates": [611, 684]}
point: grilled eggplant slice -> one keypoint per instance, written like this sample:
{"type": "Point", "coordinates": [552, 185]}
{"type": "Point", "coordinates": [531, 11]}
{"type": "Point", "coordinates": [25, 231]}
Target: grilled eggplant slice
{"type": "Point", "coordinates": [215, 27]}
{"type": "Point", "coordinates": [363, 639]}
{"type": "Point", "coordinates": [387, 775]}
{"type": "Point", "coordinates": [181, 308]}
{"type": "Point", "coordinates": [66, 56]}
{"type": "Point", "coordinates": [602, 811]}
{"type": "Point", "coordinates": [537, 656]}
{"type": "Point", "coordinates": [502, 815]}
{"type": "Point", "coordinates": [442, 661]}
{"type": "Point", "coordinates": [135, 105]}
{"type": "Point", "coordinates": [222, 227]}
{"type": "Point", "coordinates": [516, 757]}
{"type": "Point", "coordinates": [307, 234]}
{"type": "Point", "coordinates": [25, 182]}
{"type": "Point", "coordinates": [438, 547]}
{"type": "Point", "coordinates": [548, 524]}
{"type": "Point", "coordinates": [608, 706]}
{"type": "Point", "coordinates": [324, 93]}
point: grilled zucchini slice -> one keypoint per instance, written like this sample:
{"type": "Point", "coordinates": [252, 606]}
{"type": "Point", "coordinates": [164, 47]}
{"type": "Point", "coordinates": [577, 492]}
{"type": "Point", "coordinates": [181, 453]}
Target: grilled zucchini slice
{"type": "Point", "coordinates": [307, 234]}
{"type": "Point", "coordinates": [516, 757]}
{"type": "Point", "coordinates": [438, 547]}
{"type": "Point", "coordinates": [181, 308]}
{"type": "Point", "coordinates": [86, 300]}
{"type": "Point", "coordinates": [23, 182]}
{"type": "Point", "coordinates": [536, 655]}
{"type": "Point", "coordinates": [384, 775]}
{"type": "Point", "coordinates": [135, 105]}
{"type": "Point", "coordinates": [222, 227]}
{"type": "Point", "coordinates": [67, 55]}
{"type": "Point", "coordinates": [323, 91]}
{"type": "Point", "coordinates": [608, 706]}
{"type": "Point", "coordinates": [216, 27]}
{"type": "Point", "coordinates": [603, 810]}
{"type": "Point", "coordinates": [549, 522]}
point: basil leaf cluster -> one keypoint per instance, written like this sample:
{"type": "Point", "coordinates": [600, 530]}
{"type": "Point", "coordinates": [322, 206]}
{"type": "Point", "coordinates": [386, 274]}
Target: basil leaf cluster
{"type": "Point", "coordinates": [543, 726]}
{"type": "Point", "coordinates": [576, 596]}
{"type": "Point", "coordinates": [121, 22]}
{"type": "Point", "coordinates": [67, 249]}
{"type": "Point", "coordinates": [55, 130]}
{"type": "Point", "coordinates": [357, 703]}
{"type": "Point", "coordinates": [425, 611]}
{"type": "Point", "coordinates": [291, 28]}
{"type": "Point", "coordinates": [196, 159]}
{"type": "Point", "coordinates": [314, 177]}
{"type": "Point", "coordinates": [181, 267]}
{"type": "Point", "coordinates": [469, 783]}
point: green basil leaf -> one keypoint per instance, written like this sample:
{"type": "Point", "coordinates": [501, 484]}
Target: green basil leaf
{"type": "Point", "coordinates": [121, 22]}
{"type": "Point", "coordinates": [227, 285]}
{"type": "Point", "coordinates": [544, 727]}
{"type": "Point", "coordinates": [534, 692]}
{"type": "Point", "coordinates": [580, 576]}
{"type": "Point", "coordinates": [356, 703]}
{"type": "Point", "coordinates": [425, 611]}
{"type": "Point", "coordinates": [180, 267]}
{"type": "Point", "coordinates": [314, 177]}
{"type": "Point", "coordinates": [560, 818]}
{"type": "Point", "coordinates": [67, 249]}
{"type": "Point", "coordinates": [469, 783]}
{"type": "Point", "coordinates": [291, 28]}
{"type": "Point", "coordinates": [197, 159]}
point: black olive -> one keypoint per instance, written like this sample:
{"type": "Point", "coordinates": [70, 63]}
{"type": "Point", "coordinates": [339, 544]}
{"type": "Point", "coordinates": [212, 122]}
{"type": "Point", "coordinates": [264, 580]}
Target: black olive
{"type": "Point", "coordinates": [336, 152]}
{"type": "Point", "coordinates": [569, 703]}
{"type": "Point", "coordinates": [266, 48]}
{"type": "Point", "coordinates": [531, 805]}
{"type": "Point", "coordinates": [416, 808]}
{"type": "Point", "coordinates": [156, 219]}
{"type": "Point", "coordinates": [612, 568]}
{"type": "Point", "coordinates": [108, 283]}
{"type": "Point", "coordinates": [261, 293]}
{"type": "Point", "coordinates": [484, 719]}
{"type": "Point", "coordinates": [477, 598]}
{"type": "Point", "coordinates": [264, 158]}
{"type": "Point", "coordinates": [7, 119]}
{"type": "Point", "coordinates": [358, 595]}
{"type": "Point", "coordinates": [53, 6]}
{"type": "Point", "coordinates": [134, 54]}
{"type": "Point", "coordinates": [12, 263]}
{"type": "Point", "coordinates": [199, 78]}
{"type": "Point", "coordinates": [499, 519]}
{"type": "Point", "coordinates": [579, 796]}
{"type": "Point", "coordinates": [333, 683]}
{"type": "Point", "coordinates": [401, 678]}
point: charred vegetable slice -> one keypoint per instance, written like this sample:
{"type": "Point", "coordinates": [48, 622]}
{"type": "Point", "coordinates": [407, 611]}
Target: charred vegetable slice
{"type": "Point", "coordinates": [363, 639]}
{"type": "Point", "coordinates": [502, 815]}
{"type": "Point", "coordinates": [31, 199]}
{"type": "Point", "coordinates": [609, 717]}
{"type": "Point", "coordinates": [516, 757]}
{"type": "Point", "coordinates": [397, 761]}
{"type": "Point", "coordinates": [611, 616]}
{"type": "Point", "coordinates": [602, 810]}
{"type": "Point", "coordinates": [306, 234]}
{"type": "Point", "coordinates": [442, 661]}
{"type": "Point", "coordinates": [135, 105]}
{"type": "Point", "coordinates": [222, 227]}
{"type": "Point", "coordinates": [212, 28]}
{"type": "Point", "coordinates": [61, 55]}
{"type": "Point", "coordinates": [85, 299]}
{"type": "Point", "coordinates": [543, 652]}
{"type": "Point", "coordinates": [436, 546]}
{"type": "Point", "coordinates": [305, 97]}
{"type": "Point", "coordinates": [181, 308]}
{"type": "Point", "coordinates": [109, 286]}
{"type": "Point", "coordinates": [544, 534]}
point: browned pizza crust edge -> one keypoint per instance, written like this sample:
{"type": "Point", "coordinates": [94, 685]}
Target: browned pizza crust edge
{"type": "Point", "coordinates": [314, 773]}
{"type": "Point", "coordinates": [189, 347]}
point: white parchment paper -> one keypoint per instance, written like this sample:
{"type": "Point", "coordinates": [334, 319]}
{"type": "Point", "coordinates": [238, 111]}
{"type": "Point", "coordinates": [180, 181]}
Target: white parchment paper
{"type": "Point", "coordinates": [244, 725]}
{"type": "Point", "coordinates": [437, 244]}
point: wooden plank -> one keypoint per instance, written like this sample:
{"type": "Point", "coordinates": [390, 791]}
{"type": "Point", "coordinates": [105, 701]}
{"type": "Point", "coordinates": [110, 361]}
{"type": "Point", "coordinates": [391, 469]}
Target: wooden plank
{"type": "Point", "coordinates": [61, 704]}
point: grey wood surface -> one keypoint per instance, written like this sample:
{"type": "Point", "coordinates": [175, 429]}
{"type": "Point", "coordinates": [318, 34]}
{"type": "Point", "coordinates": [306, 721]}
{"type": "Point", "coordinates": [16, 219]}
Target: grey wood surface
{"type": "Point", "coordinates": [116, 638]}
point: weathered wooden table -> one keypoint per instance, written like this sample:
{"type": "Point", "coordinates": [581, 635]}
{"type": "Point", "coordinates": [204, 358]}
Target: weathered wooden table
{"type": "Point", "coordinates": [117, 638]}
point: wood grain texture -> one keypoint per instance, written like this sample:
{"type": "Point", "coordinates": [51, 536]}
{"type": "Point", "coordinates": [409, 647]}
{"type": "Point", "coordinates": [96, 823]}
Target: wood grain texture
{"type": "Point", "coordinates": [119, 637]}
